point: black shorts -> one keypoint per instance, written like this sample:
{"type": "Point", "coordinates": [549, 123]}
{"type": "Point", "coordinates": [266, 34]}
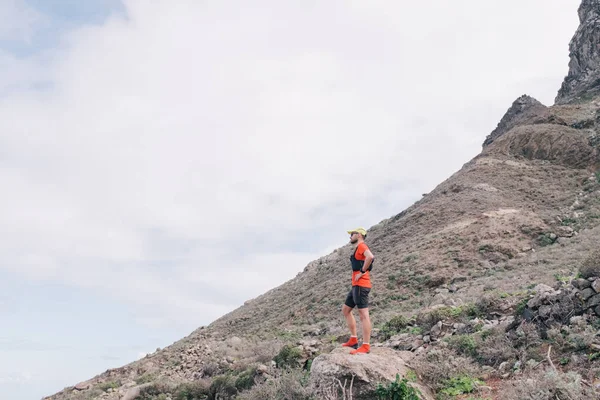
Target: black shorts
{"type": "Point", "coordinates": [358, 297]}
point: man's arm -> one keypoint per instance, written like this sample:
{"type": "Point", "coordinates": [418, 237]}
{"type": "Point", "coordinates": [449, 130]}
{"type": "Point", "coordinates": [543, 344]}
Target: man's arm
{"type": "Point", "coordinates": [368, 260]}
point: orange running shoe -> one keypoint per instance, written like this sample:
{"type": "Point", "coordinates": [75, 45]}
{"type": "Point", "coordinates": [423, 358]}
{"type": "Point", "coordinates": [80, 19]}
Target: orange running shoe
{"type": "Point", "coordinates": [352, 342]}
{"type": "Point", "coordinates": [365, 348]}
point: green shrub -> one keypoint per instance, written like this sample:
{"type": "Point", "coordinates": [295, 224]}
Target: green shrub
{"type": "Point", "coordinates": [245, 380]}
{"type": "Point", "coordinates": [221, 388]}
{"type": "Point", "coordinates": [156, 391]}
{"type": "Point", "coordinates": [397, 390]}
{"type": "Point", "coordinates": [109, 385]}
{"type": "Point", "coordinates": [464, 344]}
{"type": "Point", "coordinates": [145, 378]}
{"type": "Point", "coordinates": [460, 385]}
{"type": "Point", "coordinates": [193, 391]}
{"type": "Point", "coordinates": [289, 356]}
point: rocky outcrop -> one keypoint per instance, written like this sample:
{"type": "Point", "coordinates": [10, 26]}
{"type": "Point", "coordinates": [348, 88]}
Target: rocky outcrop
{"type": "Point", "coordinates": [522, 109]}
{"type": "Point", "coordinates": [583, 81]}
{"type": "Point", "coordinates": [340, 369]}
{"type": "Point", "coordinates": [556, 307]}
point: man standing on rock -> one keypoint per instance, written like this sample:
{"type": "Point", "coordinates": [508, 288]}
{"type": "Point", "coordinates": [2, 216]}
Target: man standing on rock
{"type": "Point", "coordinates": [361, 260]}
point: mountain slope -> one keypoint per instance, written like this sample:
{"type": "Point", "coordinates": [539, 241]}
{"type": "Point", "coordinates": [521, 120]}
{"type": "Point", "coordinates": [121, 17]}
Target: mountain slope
{"type": "Point", "coordinates": [525, 211]}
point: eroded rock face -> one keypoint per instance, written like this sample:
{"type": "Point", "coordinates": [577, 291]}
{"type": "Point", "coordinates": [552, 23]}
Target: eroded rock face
{"type": "Point", "coordinates": [522, 109]}
{"type": "Point", "coordinates": [380, 365]}
{"type": "Point", "coordinates": [583, 80]}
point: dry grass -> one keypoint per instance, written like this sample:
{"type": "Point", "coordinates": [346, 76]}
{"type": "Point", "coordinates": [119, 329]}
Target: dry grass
{"type": "Point", "coordinates": [590, 267]}
{"type": "Point", "coordinates": [439, 365]}
{"type": "Point", "coordinates": [548, 384]}
{"type": "Point", "coordinates": [289, 386]}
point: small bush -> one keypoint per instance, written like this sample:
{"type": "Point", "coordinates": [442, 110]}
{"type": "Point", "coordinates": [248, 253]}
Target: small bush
{"type": "Point", "coordinates": [245, 380]}
{"type": "Point", "coordinates": [591, 265]}
{"type": "Point", "coordinates": [397, 390]}
{"type": "Point", "coordinates": [289, 385]}
{"type": "Point", "coordinates": [222, 387]}
{"type": "Point", "coordinates": [109, 385]}
{"type": "Point", "coordinates": [464, 344]}
{"type": "Point", "coordinates": [548, 385]}
{"type": "Point", "coordinates": [146, 378]}
{"type": "Point", "coordinates": [394, 326]}
{"type": "Point", "coordinates": [439, 365]}
{"type": "Point", "coordinates": [494, 348]}
{"type": "Point", "coordinates": [289, 356]}
{"type": "Point", "coordinates": [460, 385]}
{"type": "Point", "coordinates": [211, 369]}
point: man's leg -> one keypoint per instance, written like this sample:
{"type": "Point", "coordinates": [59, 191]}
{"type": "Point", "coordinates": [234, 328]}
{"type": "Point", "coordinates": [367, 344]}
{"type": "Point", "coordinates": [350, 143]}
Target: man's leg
{"type": "Point", "coordinates": [350, 321]}
{"type": "Point", "coordinates": [365, 321]}
{"type": "Point", "coordinates": [362, 302]}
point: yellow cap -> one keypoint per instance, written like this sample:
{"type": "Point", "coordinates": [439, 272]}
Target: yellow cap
{"type": "Point", "coordinates": [362, 231]}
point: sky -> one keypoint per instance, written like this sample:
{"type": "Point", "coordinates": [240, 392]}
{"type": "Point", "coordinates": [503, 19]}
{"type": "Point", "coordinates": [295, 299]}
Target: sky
{"type": "Point", "coordinates": [162, 162]}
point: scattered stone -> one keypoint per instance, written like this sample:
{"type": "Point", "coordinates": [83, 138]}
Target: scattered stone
{"type": "Point", "coordinates": [581, 283]}
{"type": "Point", "coordinates": [416, 344]}
{"type": "Point", "coordinates": [262, 369]}
{"type": "Point", "coordinates": [596, 285]}
{"type": "Point", "coordinates": [545, 311]}
{"type": "Point", "coordinates": [593, 301]}
{"type": "Point", "coordinates": [503, 367]}
{"type": "Point", "coordinates": [83, 385]}
{"type": "Point", "coordinates": [436, 330]}
{"type": "Point", "coordinates": [586, 293]}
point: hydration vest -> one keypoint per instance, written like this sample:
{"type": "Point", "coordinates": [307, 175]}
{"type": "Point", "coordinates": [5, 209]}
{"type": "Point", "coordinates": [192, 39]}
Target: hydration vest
{"type": "Point", "coordinates": [358, 264]}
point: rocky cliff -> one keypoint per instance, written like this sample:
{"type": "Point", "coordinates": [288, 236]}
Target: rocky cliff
{"type": "Point", "coordinates": [583, 81]}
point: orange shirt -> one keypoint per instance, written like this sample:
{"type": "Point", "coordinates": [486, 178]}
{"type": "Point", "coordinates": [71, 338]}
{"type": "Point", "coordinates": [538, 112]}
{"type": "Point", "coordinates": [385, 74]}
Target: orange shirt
{"type": "Point", "coordinates": [365, 280]}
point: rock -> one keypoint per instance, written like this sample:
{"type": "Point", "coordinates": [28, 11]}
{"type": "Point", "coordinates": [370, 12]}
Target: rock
{"type": "Point", "coordinates": [436, 330]}
{"type": "Point", "coordinates": [581, 283]}
{"type": "Point", "coordinates": [545, 311]}
{"type": "Point", "coordinates": [596, 285]}
{"type": "Point", "coordinates": [543, 293]}
{"type": "Point", "coordinates": [83, 385]}
{"type": "Point", "coordinates": [584, 66]}
{"type": "Point", "coordinates": [593, 301]}
{"type": "Point", "coordinates": [565, 231]}
{"type": "Point", "coordinates": [452, 288]}
{"type": "Point", "coordinates": [503, 367]}
{"type": "Point", "coordinates": [262, 369]}
{"type": "Point", "coordinates": [382, 364]}
{"type": "Point", "coordinates": [427, 339]}
{"type": "Point", "coordinates": [522, 109]}
{"type": "Point", "coordinates": [586, 293]}
{"type": "Point", "coordinates": [309, 343]}
{"type": "Point", "coordinates": [416, 344]}
{"type": "Point", "coordinates": [597, 311]}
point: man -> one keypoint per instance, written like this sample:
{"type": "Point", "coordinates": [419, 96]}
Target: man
{"type": "Point", "coordinates": [361, 260]}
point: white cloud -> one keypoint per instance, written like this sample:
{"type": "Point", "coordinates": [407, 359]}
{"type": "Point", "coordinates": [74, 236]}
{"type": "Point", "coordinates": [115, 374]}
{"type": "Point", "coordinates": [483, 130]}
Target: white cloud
{"type": "Point", "coordinates": [189, 155]}
{"type": "Point", "coordinates": [17, 20]}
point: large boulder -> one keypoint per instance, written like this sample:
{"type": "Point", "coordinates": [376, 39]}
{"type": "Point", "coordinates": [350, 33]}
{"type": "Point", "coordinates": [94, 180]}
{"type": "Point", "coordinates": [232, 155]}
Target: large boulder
{"type": "Point", "coordinates": [332, 371]}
